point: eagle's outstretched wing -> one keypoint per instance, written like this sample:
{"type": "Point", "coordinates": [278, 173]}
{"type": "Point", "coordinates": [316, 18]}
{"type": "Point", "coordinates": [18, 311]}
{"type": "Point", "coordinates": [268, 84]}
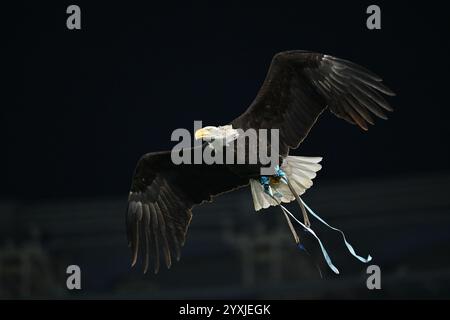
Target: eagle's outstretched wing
{"type": "Point", "coordinates": [160, 201]}
{"type": "Point", "coordinates": [300, 85]}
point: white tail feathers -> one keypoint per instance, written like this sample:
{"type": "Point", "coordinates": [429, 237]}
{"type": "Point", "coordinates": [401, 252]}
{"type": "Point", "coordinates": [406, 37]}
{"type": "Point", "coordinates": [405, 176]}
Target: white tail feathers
{"type": "Point", "coordinates": [300, 172]}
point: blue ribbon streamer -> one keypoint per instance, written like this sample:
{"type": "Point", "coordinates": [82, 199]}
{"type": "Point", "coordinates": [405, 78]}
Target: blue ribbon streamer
{"type": "Point", "coordinates": [349, 246]}
{"type": "Point", "coordinates": [324, 251]}
{"type": "Point", "coordinates": [265, 181]}
{"type": "Point", "coordinates": [268, 190]}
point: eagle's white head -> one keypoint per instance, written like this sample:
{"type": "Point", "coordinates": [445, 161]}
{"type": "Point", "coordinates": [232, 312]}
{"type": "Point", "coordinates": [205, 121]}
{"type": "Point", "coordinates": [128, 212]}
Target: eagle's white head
{"type": "Point", "coordinates": [217, 136]}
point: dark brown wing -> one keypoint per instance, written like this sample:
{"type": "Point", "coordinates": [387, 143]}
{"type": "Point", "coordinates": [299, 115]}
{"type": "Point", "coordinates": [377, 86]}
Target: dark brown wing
{"type": "Point", "coordinates": [300, 85]}
{"type": "Point", "coordinates": [160, 202]}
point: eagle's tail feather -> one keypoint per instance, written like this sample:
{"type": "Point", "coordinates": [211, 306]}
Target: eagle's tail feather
{"type": "Point", "coordinates": [300, 172]}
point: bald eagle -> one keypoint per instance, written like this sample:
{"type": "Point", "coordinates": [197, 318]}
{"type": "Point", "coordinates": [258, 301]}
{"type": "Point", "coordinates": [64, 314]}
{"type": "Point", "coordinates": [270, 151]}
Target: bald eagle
{"type": "Point", "coordinates": [298, 87]}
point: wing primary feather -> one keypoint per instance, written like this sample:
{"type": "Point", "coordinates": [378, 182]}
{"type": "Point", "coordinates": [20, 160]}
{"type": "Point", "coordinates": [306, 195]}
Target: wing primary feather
{"type": "Point", "coordinates": [175, 242]}
{"type": "Point", "coordinates": [355, 116]}
{"type": "Point", "coordinates": [163, 232]}
{"type": "Point", "coordinates": [372, 106]}
{"type": "Point", "coordinates": [188, 212]}
{"type": "Point", "coordinates": [360, 109]}
{"type": "Point", "coordinates": [355, 67]}
{"type": "Point", "coordinates": [314, 77]}
{"type": "Point", "coordinates": [377, 85]}
{"type": "Point", "coordinates": [174, 204]}
{"type": "Point", "coordinates": [135, 243]}
{"type": "Point", "coordinates": [374, 95]}
{"type": "Point", "coordinates": [130, 221]}
{"type": "Point", "coordinates": [337, 83]}
{"type": "Point", "coordinates": [185, 230]}
{"type": "Point", "coordinates": [146, 221]}
{"type": "Point", "coordinates": [154, 223]}
{"type": "Point", "coordinates": [339, 112]}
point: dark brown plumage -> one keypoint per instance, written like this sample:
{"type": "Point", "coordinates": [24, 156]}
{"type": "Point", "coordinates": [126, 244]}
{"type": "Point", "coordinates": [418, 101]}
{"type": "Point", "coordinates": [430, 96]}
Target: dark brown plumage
{"type": "Point", "coordinates": [160, 202]}
{"type": "Point", "coordinates": [299, 86]}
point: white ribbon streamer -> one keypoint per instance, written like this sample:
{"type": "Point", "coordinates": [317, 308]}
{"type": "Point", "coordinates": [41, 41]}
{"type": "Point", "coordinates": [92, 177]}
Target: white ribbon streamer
{"type": "Point", "coordinates": [324, 252]}
{"type": "Point", "coordinates": [349, 246]}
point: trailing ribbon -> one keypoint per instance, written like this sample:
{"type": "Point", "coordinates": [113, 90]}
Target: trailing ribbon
{"type": "Point", "coordinates": [265, 182]}
{"type": "Point", "coordinates": [324, 251]}
{"type": "Point", "coordinates": [349, 246]}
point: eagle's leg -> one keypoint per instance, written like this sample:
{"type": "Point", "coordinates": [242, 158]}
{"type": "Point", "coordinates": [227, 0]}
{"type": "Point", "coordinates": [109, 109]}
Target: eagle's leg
{"type": "Point", "coordinates": [302, 207]}
{"type": "Point", "coordinates": [294, 233]}
{"type": "Point", "coordinates": [265, 182]}
{"type": "Point", "coordinates": [282, 175]}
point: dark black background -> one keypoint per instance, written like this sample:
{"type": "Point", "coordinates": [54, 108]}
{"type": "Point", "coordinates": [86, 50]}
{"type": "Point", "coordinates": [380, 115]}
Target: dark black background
{"type": "Point", "coordinates": [86, 104]}
{"type": "Point", "coordinates": [78, 109]}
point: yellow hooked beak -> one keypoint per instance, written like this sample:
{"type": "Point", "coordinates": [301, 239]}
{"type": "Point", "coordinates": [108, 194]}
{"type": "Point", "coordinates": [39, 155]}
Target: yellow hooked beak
{"type": "Point", "coordinates": [201, 133]}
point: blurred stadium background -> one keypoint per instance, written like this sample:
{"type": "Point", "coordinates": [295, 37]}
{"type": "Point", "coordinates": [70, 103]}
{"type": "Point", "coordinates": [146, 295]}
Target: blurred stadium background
{"type": "Point", "coordinates": [233, 252]}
